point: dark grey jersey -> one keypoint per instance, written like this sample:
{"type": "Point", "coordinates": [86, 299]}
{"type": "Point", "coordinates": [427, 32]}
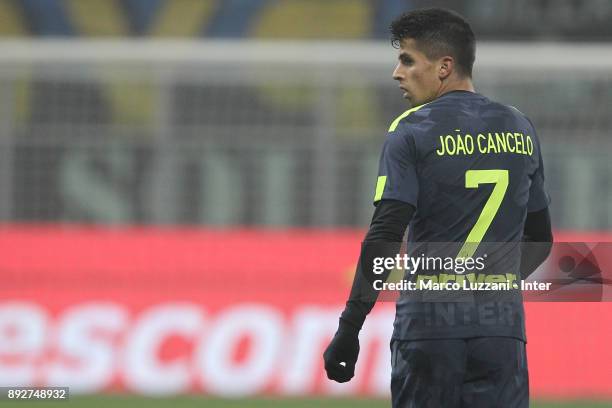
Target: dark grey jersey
{"type": "Point", "coordinates": [472, 168]}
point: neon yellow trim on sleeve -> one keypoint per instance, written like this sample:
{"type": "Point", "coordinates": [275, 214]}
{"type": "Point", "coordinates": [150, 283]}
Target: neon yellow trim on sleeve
{"type": "Point", "coordinates": [380, 187]}
{"type": "Point", "coordinates": [403, 115]}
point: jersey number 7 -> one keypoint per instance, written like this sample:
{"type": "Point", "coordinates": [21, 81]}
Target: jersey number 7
{"type": "Point", "coordinates": [474, 178]}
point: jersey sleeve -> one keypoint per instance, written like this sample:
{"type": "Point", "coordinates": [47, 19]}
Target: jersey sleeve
{"type": "Point", "coordinates": [397, 173]}
{"type": "Point", "coordinates": [538, 197]}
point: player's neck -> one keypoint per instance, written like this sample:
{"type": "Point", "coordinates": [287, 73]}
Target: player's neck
{"type": "Point", "coordinates": [463, 84]}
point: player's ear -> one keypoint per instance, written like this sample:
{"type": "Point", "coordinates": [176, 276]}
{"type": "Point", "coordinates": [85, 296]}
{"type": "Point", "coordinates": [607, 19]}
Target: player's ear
{"type": "Point", "coordinates": [446, 66]}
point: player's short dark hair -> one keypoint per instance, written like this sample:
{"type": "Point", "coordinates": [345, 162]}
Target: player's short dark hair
{"type": "Point", "coordinates": [438, 32]}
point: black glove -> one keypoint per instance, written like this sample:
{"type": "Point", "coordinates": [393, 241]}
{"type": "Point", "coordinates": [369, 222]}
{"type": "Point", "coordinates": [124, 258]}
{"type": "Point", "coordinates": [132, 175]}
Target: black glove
{"type": "Point", "coordinates": [341, 354]}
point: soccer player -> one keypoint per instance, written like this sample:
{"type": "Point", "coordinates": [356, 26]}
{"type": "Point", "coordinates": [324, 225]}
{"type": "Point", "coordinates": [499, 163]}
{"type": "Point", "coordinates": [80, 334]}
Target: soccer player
{"type": "Point", "coordinates": [456, 168]}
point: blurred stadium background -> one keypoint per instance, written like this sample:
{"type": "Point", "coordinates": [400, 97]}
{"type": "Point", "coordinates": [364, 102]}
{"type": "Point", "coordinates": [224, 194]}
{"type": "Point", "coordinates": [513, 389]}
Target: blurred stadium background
{"type": "Point", "coordinates": [184, 185]}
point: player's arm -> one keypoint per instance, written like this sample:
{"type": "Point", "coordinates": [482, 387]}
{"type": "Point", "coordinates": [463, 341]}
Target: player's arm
{"type": "Point", "coordinates": [537, 232]}
{"type": "Point", "coordinates": [384, 239]}
{"type": "Point", "coordinates": [396, 197]}
{"type": "Point", "coordinates": [537, 241]}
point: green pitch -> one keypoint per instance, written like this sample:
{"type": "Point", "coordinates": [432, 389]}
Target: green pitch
{"type": "Point", "coordinates": [203, 402]}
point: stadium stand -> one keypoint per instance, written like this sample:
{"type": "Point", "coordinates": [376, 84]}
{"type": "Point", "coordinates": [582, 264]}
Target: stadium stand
{"type": "Point", "coordinates": [315, 19]}
{"type": "Point", "coordinates": [11, 23]}
{"type": "Point", "coordinates": [45, 18]}
{"type": "Point", "coordinates": [340, 19]}
{"type": "Point", "coordinates": [98, 18]}
{"type": "Point", "coordinates": [191, 14]}
{"type": "Point", "coordinates": [62, 116]}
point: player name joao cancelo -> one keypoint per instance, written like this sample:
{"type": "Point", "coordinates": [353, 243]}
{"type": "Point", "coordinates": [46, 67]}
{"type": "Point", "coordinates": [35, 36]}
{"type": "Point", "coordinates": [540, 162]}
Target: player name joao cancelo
{"type": "Point", "coordinates": [485, 143]}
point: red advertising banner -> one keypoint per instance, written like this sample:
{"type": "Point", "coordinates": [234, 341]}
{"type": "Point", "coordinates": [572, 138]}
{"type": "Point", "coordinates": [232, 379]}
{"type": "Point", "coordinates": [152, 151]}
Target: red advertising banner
{"type": "Point", "coordinates": [229, 312]}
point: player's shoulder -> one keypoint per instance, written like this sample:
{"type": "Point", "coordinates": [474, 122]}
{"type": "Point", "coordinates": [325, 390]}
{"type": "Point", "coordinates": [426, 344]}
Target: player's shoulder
{"type": "Point", "coordinates": [409, 116]}
{"type": "Point", "coordinates": [430, 114]}
{"type": "Point", "coordinates": [452, 106]}
{"type": "Point", "coordinates": [520, 115]}
{"type": "Point", "coordinates": [492, 107]}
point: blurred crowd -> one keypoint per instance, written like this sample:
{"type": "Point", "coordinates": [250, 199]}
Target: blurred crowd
{"type": "Point", "coordinates": [338, 19]}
